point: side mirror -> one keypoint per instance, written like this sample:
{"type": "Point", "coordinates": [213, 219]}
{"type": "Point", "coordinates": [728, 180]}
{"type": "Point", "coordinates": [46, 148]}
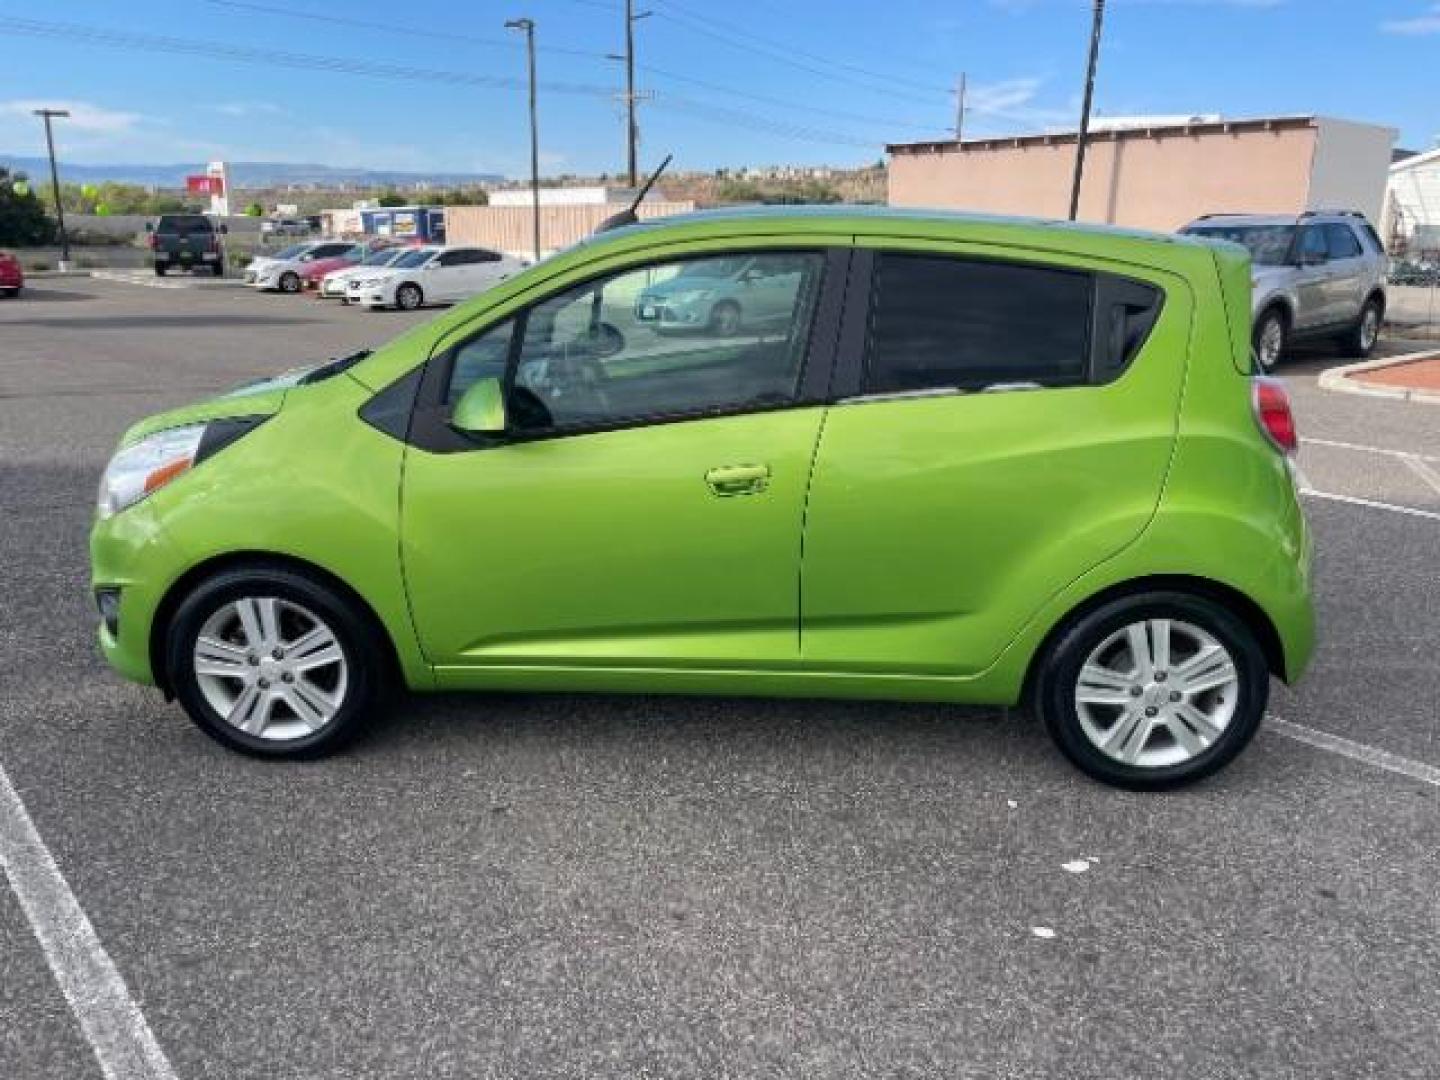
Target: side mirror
{"type": "Point", "coordinates": [224, 228]}
{"type": "Point", "coordinates": [481, 409]}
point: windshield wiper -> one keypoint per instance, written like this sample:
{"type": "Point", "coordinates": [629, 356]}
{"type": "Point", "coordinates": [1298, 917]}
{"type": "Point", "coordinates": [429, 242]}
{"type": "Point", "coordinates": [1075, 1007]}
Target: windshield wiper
{"type": "Point", "coordinates": [334, 367]}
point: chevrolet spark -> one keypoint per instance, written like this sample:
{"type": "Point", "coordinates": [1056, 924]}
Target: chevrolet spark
{"type": "Point", "coordinates": [958, 460]}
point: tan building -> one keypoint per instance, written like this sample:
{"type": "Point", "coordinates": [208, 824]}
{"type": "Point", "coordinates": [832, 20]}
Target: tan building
{"type": "Point", "coordinates": [1159, 176]}
{"type": "Point", "coordinates": [509, 228]}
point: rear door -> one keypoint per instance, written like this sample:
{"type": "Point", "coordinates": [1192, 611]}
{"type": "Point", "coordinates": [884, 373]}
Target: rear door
{"type": "Point", "coordinates": [1003, 426]}
{"type": "Point", "coordinates": [1312, 284]}
{"type": "Point", "coordinates": [447, 276]}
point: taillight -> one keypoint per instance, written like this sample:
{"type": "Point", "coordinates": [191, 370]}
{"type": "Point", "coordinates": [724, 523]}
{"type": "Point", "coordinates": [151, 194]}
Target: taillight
{"type": "Point", "coordinates": [152, 241]}
{"type": "Point", "coordinates": [1272, 412]}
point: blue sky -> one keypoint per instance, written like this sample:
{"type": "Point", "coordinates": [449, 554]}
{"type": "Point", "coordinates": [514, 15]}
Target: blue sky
{"type": "Point", "coordinates": [743, 82]}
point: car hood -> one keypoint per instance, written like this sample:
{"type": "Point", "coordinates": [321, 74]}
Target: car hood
{"type": "Point", "coordinates": [263, 397]}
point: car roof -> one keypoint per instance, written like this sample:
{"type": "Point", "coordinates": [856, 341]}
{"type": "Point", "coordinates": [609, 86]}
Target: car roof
{"type": "Point", "coordinates": [1273, 219]}
{"type": "Point", "coordinates": [862, 219]}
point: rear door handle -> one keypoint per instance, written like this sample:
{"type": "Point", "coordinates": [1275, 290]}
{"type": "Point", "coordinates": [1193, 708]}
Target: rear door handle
{"type": "Point", "coordinates": [738, 479]}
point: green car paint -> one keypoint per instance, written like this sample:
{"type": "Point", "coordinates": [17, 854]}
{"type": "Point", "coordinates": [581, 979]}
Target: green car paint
{"type": "Point", "coordinates": [905, 548]}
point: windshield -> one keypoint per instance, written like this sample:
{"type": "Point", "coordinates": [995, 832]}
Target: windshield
{"type": "Point", "coordinates": [383, 257]}
{"type": "Point", "coordinates": [291, 252]}
{"type": "Point", "coordinates": [1269, 245]}
{"type": "Point", "coordinates": [414, 258]}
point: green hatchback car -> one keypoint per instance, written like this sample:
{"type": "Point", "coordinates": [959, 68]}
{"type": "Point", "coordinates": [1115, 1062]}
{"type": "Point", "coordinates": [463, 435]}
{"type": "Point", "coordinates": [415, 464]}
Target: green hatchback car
{"type": "Point", "coordinates": [970, 460]}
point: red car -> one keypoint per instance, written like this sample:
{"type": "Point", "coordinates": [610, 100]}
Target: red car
{"type": "Point", "coordinates": [12, 278]}
{"type": "Point", "coordinates": [312, 272]}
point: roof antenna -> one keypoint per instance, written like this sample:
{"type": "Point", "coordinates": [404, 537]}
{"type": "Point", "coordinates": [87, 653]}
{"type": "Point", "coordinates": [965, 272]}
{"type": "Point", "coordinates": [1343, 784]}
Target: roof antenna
{"type": "Point", "coordinates": [628, 215]}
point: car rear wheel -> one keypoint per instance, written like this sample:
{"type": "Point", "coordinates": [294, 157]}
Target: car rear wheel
{"type": "Point", "coordinates": [160, 269]}
{"type": "Point", "coordinates": [218, 270]}
{"type": "Point", "coordinates": [290, 282]}
{"type": "Point", "coordinates": [1153, 691]}
{"type": "Point", "coordinates": [274, 664]}
{"type": "Point", "coordinates": [408, 297]}
{"type": "Point", "coordinates": [1272, 332]}
{"type": "Point", "coordinates": [1362, 338]}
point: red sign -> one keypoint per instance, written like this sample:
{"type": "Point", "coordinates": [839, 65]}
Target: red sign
{"type": "Point", "coordinates": [205, 185]}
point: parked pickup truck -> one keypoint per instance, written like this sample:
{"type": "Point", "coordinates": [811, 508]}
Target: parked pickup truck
{"type": "Point", "coordinates": [187, 241]}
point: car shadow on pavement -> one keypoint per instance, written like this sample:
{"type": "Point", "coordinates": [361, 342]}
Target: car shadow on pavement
{"type": "Point", "coordinates": [33, 295]}
{"type": "Point", "coordinates": [161, 322]}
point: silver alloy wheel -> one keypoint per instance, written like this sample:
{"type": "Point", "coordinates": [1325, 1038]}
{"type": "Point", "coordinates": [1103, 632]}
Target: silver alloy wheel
{"type": "Point", "coordinates": [726, 319]}
{"type": "Point", "coordinates": [1157, 693]}
{"type": "Point", "coordinates": [1369, 327]}
{"type": "Point", "coordinates": [1272, 342]}
{"type": "Point", "coordinates": [408, 297]}
{"type": "Point", "coordinates": [270, 668]}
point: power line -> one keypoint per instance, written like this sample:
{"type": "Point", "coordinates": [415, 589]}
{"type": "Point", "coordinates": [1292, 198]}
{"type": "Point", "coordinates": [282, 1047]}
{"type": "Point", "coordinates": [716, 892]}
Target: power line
{"type": "Point", "coordinates": [102, 36]}
{"type": "Point", "coordinates": [786, 54]}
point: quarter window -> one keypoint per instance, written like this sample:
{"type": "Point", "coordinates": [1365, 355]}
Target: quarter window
{"type": "Point", "coordinates": [938, 322]}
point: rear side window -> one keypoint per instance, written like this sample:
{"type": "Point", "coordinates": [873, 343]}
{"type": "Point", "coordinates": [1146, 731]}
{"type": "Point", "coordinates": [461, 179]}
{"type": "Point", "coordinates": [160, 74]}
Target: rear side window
{"type": "Point", "coordinates": [968, 324]}
{"type": "Point", "coordinates": [1340, 241]}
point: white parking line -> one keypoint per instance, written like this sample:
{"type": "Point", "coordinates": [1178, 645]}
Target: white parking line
{"type": "Point", "coordinates": [1370, 504]}
{"type": "Point", "coordinates": [1368, 449]}
{"type": "Point", "coordinates": [1418, 466]}
{"type": "Point", "coordinates": [1370, 755]}
{"type": "Point", "coordinates": [111, 1021]}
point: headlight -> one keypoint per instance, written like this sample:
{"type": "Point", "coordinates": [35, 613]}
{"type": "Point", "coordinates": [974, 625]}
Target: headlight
{"type": "Point", "coordinates": [147, 466]}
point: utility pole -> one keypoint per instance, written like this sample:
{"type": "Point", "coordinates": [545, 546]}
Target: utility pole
{"type": "Point", "coordinates": [528, 27]}
{"type": "Point", "coordinates": [1097, 26]}
{"type": "Point", "coordinates": [47, 115]}
{"type": "Point", "coordinates": [960, 109]}
{"type": "Point", "coordinates": [631, 98]}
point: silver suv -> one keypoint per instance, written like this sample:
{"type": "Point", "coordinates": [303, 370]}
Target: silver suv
{"type": "Point", "coordinates": [1317, 274]}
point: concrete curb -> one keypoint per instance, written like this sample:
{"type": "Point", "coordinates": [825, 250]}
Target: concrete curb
{"type": "Point", "coordinates": [45, 275]}
{"type": "Point", "coordinates": [1337, 379]}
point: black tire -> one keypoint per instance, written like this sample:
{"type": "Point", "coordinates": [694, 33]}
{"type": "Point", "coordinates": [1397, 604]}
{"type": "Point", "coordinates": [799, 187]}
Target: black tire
{"type": "Point", "coordinates": [289, 282]}
{"type": "Point", "coordinates": [1360, 340]}
{"type": "Point", "coordinates": [370, 676]}
{"type": "Point", "coordinates": [1058, 671]}
{"type": "Point", "coordinates": [409, 296]}
{"type": "Point", "coordinates": [725, 319]}
{"type": "Point", "coordinates": [218, 269]}
{"type": "Point", "coordinates": [10, 293]}
{"type": "Point", "coordinates": [160, 269]}
{"type": "Point", "coordinates": [1266, 358]}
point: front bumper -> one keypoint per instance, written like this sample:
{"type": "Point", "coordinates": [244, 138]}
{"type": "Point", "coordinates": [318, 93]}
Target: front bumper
{"type": "Point", "coordinates": [132, 561]}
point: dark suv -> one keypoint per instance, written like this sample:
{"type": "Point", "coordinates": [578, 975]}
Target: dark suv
{"type": "Point", "coordinates": [187, 241]}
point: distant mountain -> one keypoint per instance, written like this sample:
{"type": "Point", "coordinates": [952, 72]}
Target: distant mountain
{"type": "Point", "coordinates": [244, 174]}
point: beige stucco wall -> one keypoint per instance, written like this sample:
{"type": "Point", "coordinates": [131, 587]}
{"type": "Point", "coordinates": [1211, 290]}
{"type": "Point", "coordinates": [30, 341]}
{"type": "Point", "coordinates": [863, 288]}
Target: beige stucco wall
{"type": "Point", "coordinates": [1141, 181]}
{"type": "Point", "coordinates": [509, 228]}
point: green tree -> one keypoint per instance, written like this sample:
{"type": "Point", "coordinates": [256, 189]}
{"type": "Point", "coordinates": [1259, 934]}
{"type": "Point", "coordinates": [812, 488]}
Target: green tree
{"type": "Point", "coordinates": [391, 198]}
{"type": "Point", "coordinates": [254, 210]}
{"type": "Point", "coordinates": [23, 220]}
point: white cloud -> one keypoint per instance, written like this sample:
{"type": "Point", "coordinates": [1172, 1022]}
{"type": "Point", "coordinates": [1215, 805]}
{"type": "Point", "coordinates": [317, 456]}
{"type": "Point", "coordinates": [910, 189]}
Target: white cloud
{"type": "Point", "coordinates": [248, 108]}
{"type": "Point", "coordinates": [1426, 23]}
{"type": "Point", "coordinates": [84, 117]}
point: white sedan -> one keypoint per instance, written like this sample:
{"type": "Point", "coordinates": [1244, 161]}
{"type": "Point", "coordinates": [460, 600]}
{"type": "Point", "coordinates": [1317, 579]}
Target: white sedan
{"type": "Point", "coordinates": [334, 284]}
{"type": "Point", "coordinates": [285, 269]}
{"type": "Point", "coordinates": [432, 275]}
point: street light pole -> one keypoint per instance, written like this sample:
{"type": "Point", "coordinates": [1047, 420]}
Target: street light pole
{"type": "Point", "coordinates": [528, 26]}
{"type": "Point", "coordinates": [1096, 27]}
{"type": "Point", "coordinates": [47, 115]}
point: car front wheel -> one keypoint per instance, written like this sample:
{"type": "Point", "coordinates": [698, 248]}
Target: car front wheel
{"type": "Point", "coordinates": [1153, 691]}
{"type": "Point", "coordinates": [274, 664]}
{"type": "Point", "coordinates": [290, 282]}
{"type": "Point", "coordinates": [408, 297]}
{"type": "Point", "coordinates": [1365, 334]}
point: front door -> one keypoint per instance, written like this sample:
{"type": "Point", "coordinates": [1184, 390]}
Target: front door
{"type": "Point", "coordinates": [644, 507]}
{"type": "Point", "coordinates": [1008, 430]}
{"type": "Point", "coordinates": [1312, 285]}
{"type": "Point", "coordinates": [1347, 272]}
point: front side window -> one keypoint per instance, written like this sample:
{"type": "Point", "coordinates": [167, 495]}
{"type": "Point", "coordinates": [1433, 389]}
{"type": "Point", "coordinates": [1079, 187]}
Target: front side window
{"type": "Point", "coordinates": [667, 341]}
{"type": "Point", "coordinates": [969, 324]}
{"type": "Point", "coordinates": [1340, 242]}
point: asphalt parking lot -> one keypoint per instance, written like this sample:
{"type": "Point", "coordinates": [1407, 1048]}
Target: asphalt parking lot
{"type": "Point", "coordinates": [623, 887]}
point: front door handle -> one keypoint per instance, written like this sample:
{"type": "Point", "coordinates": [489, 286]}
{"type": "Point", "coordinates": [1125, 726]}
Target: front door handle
{"type": "Point", "coordinates": [738, 479]}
